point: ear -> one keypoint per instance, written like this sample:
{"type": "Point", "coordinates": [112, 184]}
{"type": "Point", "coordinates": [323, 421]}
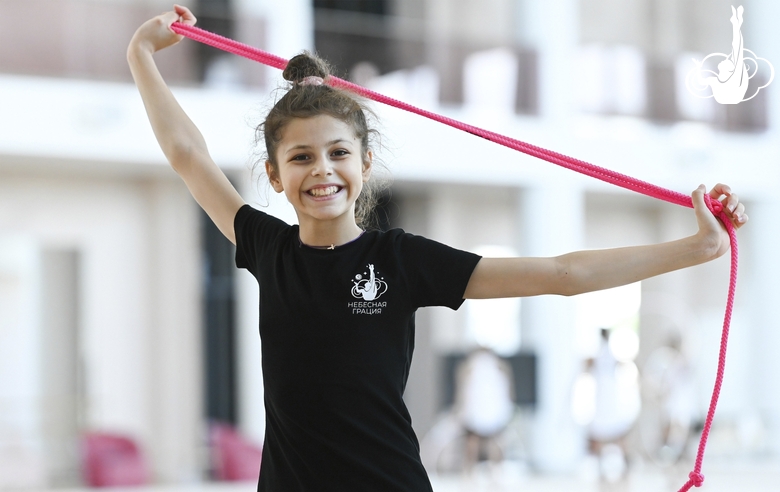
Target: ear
{"type": "Point", "coordinates": [367, 163]}
{"type": "Point", "coordinates": [273, 177]}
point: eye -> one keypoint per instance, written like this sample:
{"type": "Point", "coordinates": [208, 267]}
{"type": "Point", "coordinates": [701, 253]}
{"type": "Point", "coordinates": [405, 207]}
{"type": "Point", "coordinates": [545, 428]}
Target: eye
{"type": "Point", "coordinates": [340, 153]}
{"type": "Point", "coordinates": [299, 157]}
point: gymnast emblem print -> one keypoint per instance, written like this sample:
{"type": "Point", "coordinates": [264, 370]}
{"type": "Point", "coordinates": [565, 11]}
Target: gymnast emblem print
{"type": "Point", "coordinates": [368, 287]}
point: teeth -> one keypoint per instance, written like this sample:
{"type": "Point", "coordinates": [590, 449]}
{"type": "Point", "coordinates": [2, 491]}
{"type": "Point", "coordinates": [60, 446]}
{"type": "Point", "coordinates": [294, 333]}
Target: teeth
{"type": "Point", "coordinates": [324, 191]}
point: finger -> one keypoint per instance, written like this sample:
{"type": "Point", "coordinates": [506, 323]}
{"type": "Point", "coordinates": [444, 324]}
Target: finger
{"type": "Point", "coordinates": [698, 193]}
{"type": "Point", "coordinates": [731, 202]}
{"type": "Point", "coordinates": [738, 210]}
{"type": "Point", "coordinates": [698, 199]}
{"type": "Point", "coordinates": [704, 216]}
{"type": "Point", "coordinates": [738, 222]}
{"type": "Point", "coordinates": [739, 216]}
{"type": "Point", "coordinates": [169, 18]}
{"type": "Point", "coordinates": [720, 190]}
{"type": "Point", "coordinates": [185, 15]}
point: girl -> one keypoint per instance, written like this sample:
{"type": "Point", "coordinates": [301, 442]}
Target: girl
{"type": "Point", "coordinates": [337, 303]}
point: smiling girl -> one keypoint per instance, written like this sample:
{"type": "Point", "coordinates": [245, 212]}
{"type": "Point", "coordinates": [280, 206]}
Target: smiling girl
{"type": "Point", "coordinates": [337, 302]}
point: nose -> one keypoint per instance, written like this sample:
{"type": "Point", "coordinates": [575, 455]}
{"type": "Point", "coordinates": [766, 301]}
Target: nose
{"type": "Point", "coordinates": [322, 167]}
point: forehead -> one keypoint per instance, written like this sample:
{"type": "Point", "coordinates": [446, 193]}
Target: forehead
{"type": "Point", "coordinates": [317, 130]}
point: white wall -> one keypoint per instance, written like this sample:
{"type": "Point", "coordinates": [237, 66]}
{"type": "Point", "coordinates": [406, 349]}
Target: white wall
{"type": "Point", "coordinates": [139, 306]}
{"type": "Point", "coordinates": [21, 446]}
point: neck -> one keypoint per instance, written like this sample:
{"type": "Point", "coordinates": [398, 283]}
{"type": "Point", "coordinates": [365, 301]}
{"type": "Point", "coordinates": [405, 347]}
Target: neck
{"type": "Point", "coordinates": [326, 235]}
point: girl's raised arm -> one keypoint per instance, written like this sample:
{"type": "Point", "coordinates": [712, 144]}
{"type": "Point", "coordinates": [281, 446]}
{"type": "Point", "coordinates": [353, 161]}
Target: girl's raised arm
{"type": "Point", "coordinates": [181, 142]}
{"type": "Point", "coordinates": [586, 271]}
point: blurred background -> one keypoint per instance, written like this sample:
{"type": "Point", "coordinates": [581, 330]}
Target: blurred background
{"type": "Point", "coordinates": [129, 351]}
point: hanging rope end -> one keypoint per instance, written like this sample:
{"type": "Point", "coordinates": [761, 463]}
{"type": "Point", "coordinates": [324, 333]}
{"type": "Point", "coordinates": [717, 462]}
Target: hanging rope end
{"type": "Point", "coordinates": [695, 479]}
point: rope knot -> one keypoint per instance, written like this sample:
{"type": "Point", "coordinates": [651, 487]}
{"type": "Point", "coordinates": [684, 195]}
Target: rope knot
{"type": "Point", "coordinates": [696, 478]}
{"type": "Point", "coordinates": [715, 206]}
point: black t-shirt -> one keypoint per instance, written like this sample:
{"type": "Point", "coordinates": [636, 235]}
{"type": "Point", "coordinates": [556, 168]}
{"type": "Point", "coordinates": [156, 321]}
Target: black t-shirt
{"type": "Point", "coordinates": [337, 330]}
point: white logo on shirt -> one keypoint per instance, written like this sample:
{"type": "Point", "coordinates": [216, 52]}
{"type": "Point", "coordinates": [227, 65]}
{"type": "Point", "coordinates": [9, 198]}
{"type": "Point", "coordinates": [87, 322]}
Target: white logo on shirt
{"type": "Point", "coordinates": [368, 289]}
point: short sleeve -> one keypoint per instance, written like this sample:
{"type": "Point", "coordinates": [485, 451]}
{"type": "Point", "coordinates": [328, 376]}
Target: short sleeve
{"type": "Point", "coordinates": [437, 274]}
{"type": "Point", "coordinates": [255, 233]}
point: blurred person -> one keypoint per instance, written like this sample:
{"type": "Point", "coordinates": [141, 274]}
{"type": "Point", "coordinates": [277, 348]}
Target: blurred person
{"type": "Point", "coordinates": [337, 340]}
{"type": "Point", "coordinates": [669, 405]}
{"type": "Point", "coordinates": [615, 411]}
{"type": "Point", "coordinates": [484, 404]}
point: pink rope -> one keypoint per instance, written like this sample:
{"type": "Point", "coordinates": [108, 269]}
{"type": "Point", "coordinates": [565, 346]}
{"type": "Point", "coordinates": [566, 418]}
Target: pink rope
{"type": "Point", "coordinates": [695, 478]}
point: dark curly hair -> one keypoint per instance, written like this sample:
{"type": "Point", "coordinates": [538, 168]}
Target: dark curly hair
{"type": "Point", "coordinates": [309, 100]}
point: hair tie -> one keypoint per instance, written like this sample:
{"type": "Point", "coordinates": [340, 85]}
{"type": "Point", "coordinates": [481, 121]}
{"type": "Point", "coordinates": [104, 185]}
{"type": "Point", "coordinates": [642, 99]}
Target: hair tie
{"type": "Point", "coordinates": [311, 80]}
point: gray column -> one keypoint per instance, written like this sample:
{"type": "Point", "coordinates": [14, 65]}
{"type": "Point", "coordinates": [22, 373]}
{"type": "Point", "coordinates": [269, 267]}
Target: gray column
{"type": "Point", "coordinates": [763, 292]}
{"type": "Point", "coordinates": [62, 401]}
{"type": "Point", "coordinates": [552, 218]}
{"type": "Point", "coordinates": [290, 24]}
{"type": "Point", "coordinates": [174, 338]}
{"type": "Point", "coordinates": [21, 391]}
{"type": "Point", "coordinates": [763, 38]}
{"type": "Point", "coordinates": [551, 27]}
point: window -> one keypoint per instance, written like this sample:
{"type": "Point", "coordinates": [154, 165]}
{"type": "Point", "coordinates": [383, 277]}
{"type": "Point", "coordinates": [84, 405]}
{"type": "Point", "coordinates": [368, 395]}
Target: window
{"type": "Point", "coordinates": [215, 16]}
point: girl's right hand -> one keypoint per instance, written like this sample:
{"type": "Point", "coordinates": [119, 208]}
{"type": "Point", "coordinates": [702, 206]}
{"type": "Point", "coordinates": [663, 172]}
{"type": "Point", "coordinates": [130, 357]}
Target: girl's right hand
{"type": "Point", "coordinates": [156, 34]}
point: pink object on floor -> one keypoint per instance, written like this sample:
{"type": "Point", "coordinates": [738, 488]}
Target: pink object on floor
{"type": "Point", "coordinates": [112, 460]}
{"type": "Point", "coordinates": [234, 457]}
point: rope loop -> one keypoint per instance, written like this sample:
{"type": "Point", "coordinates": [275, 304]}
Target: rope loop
{"type": "Point", "coordinates": [715, 206]}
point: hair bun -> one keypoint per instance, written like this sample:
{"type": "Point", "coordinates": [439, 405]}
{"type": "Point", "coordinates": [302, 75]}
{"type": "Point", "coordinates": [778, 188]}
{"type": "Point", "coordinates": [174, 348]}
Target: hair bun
{"type": "Point", "coordinates": [305, 65]}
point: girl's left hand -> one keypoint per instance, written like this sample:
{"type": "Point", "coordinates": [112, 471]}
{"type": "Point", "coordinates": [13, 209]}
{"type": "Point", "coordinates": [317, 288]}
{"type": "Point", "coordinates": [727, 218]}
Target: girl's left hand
{"type": "Point", "coordinates": [711, 231]}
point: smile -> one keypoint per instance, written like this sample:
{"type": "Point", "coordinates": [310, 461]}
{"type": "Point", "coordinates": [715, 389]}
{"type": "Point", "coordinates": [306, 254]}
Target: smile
{"type": "Point", "coordinates": [325, 191]}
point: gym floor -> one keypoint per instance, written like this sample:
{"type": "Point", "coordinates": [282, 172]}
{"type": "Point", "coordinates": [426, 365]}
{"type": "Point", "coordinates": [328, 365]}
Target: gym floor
{"type": "Point", "coordinates": [720, 476]}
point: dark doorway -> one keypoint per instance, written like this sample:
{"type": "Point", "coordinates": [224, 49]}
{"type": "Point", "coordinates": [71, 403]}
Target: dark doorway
{"type": "Point", "coordinates": [220, 327]}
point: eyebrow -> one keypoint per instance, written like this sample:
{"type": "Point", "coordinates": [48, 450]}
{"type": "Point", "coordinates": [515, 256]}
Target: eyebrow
{"type": "Point", "coordinates": [327, 144]}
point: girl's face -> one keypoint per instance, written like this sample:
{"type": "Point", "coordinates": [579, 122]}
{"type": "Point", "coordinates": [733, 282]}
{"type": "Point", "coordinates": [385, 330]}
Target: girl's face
{"type": "Point", "coordinates": [320, 168]}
